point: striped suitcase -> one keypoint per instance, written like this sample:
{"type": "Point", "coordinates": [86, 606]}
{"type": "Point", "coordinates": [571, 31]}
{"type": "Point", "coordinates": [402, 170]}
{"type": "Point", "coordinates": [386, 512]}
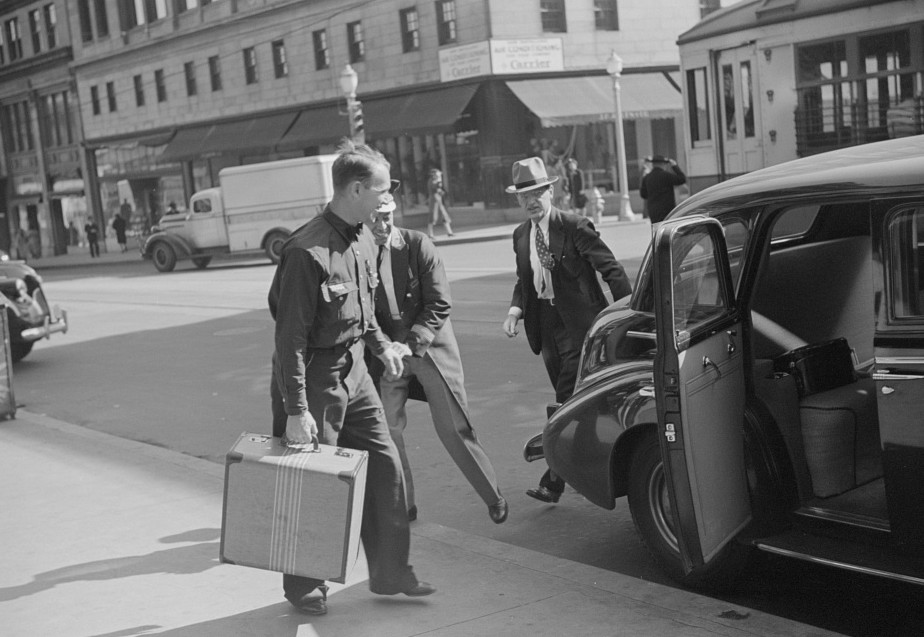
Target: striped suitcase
{"type": "Point", "coordinates": [293, 511]}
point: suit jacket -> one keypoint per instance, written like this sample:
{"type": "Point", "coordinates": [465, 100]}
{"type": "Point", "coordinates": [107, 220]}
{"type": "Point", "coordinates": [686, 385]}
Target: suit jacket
{"type": "Point", "coordinates": [579, 254]}
{"type": "Point", "coordinates": [424, 302]}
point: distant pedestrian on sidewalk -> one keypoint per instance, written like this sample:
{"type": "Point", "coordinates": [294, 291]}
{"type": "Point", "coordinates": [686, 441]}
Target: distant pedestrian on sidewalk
{"type": "Point", "coordinates": [118, 224]}
{"type": "Point", "coordinates": [92, 231]}
{"type": "Point", "coordinates": [557, 294]}
{"type": "Point", "coordinates": [322, 301]}
{"type": "Point", "coordinates": [412, 306]}
{"type": "Point", "coordinates": [657, 187]}
{"type": "Point", "coordinates": [436, 193]}
{"type": "Point", "coordinates": [73, 236]}
{"type": "Point", "coordinates": [575, 178]}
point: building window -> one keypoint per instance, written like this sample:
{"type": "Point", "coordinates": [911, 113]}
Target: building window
{"type": "Point", "coordinates": [215, 73]}
{"type": "Point", "coordinates": [446, 21]}
{"type": "Point", "coordinates": [250, 65]}
{"type": "Point", "coordinates": [35, 29]}
{"type": "Point", "coordinates": [187, 5]}
{"type": "Point", "coordinates": [13, 39]}
{"type": "Point", "coordinates": [86, 20]}
{"type": "Point", "coordinates": [189, 71]}
{"type": "Point", "coordinates": [747, 98]}
{"type": "Point", "coordinates": [139, 91]}
{"type": "Point", "coordinates": [280, 65]}
{"type": "Point", "coordinates": [56, 120]}
{"type": "Point", "coordinates": [885, 60]}
{"type": "Point", "coordinates": [160, 86]}
{"type": "Point", "coordinates": [410, 30]}
{"type": "Point", "coordinates": [94, 99]}
{"type": "Point", "coordinates": [102, 19]}
{"type": "Point", "coordinates": [698, 106]}
{"type": "Point", "coordinates": [321, 52]}
{"type": "Point", "coordinates": [2, 50]}
{"type": "Point", "coordinates": [51, 25]}
{"type": "Point", "coordinates": [111, 96]}
{"type": "Point", "coordinates": [137, 12]}
{"type": "Point", "coordinates": [18, 119]}
{"type": "Point", "coordinates": [606, 15]}
{"type": "Point", "coordinates": [708, 6]}
{"type": "Point", "coordinates": [552, 13]}
{"type": "Point", "coordinates": [355, 41]}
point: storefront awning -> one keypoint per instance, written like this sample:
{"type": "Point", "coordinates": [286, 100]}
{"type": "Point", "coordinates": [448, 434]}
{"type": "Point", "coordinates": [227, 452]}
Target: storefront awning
{"type": "Point", "coordinates": [250, 136]}
{"type": "Point", "coordinates": [566, 101]}
{"type": "Point", "coordinates": [315, 126]}
{"type": "Point", "coordinates": [418, 113]}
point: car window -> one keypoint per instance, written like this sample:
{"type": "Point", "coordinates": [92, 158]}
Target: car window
{"type": "Point", "coordinates": [794, 222]}
{"type": "Point", "coordinates": [202, 205]}
{"type": "Point", "coordinates": [906, 252]}
{"type": "Point", "coordinates": [699, 297]}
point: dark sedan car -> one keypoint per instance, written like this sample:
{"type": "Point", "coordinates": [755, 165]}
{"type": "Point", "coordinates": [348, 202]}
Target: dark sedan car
{"type": "Point", "coordinates": [29, 316]}
{"type": "Point", "coordinates": [763, 389]}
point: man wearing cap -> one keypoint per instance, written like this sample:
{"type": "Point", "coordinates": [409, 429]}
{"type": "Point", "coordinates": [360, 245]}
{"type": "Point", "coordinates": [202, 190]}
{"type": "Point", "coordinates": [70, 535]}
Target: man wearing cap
{"type": "Point", "coordinates": [557, 294]}
{"type": "Point", "coordinates": [657, 187]}
{"type": "Point", "coordinates": [322, 301]}
{"type": "Point", "coordinates": [412, 304]}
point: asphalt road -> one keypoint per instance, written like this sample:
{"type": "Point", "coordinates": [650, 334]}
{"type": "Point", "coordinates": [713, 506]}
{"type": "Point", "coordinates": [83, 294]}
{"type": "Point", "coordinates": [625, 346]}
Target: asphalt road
{"type": "Point", "coordinates": [182, 361]}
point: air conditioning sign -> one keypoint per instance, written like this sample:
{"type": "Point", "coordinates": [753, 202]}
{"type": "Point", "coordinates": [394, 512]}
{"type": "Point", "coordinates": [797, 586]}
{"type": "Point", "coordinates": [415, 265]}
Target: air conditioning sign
{"type": "Point", "coordinates": [501, 57]}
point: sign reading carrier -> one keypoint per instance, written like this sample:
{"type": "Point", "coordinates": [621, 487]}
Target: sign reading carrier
{"type": "Point", "coordinates": [291, 510]}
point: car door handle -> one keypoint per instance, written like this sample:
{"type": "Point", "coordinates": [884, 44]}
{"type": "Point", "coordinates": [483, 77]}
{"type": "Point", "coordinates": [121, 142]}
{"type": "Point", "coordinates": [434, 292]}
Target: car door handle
{"type": "Point", "coordinates": [708, 361]}
{"type": "Point", "coordinates": [647, 392]}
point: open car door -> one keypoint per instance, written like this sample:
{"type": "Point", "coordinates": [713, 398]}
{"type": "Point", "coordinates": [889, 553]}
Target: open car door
{"type": "Point", "coordinates": [699, 387]}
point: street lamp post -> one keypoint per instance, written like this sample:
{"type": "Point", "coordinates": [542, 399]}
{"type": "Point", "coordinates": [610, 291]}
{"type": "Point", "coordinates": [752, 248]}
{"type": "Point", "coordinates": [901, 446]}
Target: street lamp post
{"type": "Point", "coordinates": [348, 83]}
{"type": "Point", "coordinates": [614, 68]}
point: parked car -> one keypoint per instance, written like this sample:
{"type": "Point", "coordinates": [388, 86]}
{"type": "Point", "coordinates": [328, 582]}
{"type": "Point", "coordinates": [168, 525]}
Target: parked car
{"type": "Point", "coordinates": [763, 388]}
{"type": "Point", "coordinates": [29, 316]}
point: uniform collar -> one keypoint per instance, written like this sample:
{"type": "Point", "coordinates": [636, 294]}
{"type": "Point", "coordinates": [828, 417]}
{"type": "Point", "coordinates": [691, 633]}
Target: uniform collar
{"type": "Point", "coordinates": [349, 232]}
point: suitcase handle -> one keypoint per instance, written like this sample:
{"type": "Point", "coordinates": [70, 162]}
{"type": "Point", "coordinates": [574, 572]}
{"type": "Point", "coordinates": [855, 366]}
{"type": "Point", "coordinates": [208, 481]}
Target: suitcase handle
{"type": "Point", "coordinates": [312, 447]}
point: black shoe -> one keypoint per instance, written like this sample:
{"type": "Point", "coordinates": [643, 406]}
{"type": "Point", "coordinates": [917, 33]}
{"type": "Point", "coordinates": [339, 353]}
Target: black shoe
{"type": "Point", "coordinates": [544, 495]}
{"type": "Point", "coordinates": [311, 603]}
{"type": "Point", "coordinates": [498, 511]}
{"type": "Point", "coordinates": [419, 589]}
{"type": "Point", "coordinates": [412, 513]}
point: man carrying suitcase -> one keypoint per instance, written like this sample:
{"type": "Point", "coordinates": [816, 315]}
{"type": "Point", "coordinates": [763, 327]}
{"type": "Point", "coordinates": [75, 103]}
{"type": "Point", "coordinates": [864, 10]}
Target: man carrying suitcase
{"type": "Point", "coordinates": [322, 301]}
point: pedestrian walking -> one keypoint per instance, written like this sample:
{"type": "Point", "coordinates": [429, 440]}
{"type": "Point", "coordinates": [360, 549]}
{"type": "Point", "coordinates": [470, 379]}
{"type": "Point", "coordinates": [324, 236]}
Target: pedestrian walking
{"type": "Point", "coordinates": [92, 231]}
{"type": "Point", "coordinates": [557, 294]}
{"type": "Point", "coordinates": [575, 178]}
{"type": "Point", "coordinates": [118, 225]}
{"type": "Point", "coordinates": [73, 236]}
{"type": "Point", "coordinates": [657, 187]}
{"type": "Point", "coordinates": [412, 306]}
{"type": "Point", "coordinates": [436, 193]}
{"type": "Point", "coordinates": [321, 299]}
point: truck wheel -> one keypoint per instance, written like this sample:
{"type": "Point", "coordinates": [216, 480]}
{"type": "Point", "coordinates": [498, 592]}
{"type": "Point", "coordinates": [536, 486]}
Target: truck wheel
{"type": "Point", "coordinates": [653, 516]}
{"type": "Point", "coordinates": [273, 245]}
{"type": "Point", "coordinates": [164, 257]}
{"type": "Point", "coordinates": [202, 262]}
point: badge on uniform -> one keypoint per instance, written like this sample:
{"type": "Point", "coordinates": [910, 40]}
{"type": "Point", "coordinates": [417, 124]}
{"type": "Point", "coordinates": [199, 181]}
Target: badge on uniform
{"type": "Point", "coordinates": [372, 275]}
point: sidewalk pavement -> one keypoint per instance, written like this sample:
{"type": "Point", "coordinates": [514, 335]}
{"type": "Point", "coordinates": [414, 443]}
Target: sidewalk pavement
{"type": "Point", "coordinates": [108, 537]}
{"type": "Point", "coordinates": [111, 252]}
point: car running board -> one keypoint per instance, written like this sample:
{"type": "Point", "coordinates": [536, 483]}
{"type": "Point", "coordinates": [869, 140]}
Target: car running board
{"type": "Point", "coordinates": [843, 554]}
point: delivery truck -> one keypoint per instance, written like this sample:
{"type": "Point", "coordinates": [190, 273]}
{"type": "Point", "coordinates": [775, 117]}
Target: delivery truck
{"type": "Point", "coordinates": [252, 211]}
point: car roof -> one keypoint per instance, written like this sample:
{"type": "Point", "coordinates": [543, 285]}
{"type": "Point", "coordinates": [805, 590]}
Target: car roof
{"type": "Point", "coordinates": [895, 166]}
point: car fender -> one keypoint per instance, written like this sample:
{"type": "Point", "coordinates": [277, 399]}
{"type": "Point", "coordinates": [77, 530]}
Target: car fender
{"type": "Point", "coordinates": [588, 439]}
{"type": "Point", "coordinates": [180, 246]}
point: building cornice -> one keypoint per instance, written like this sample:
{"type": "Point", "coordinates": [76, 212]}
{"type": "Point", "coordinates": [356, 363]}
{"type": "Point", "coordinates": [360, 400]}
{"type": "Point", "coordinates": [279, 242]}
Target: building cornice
{"type": "Point", "coordinates": [30, 66]}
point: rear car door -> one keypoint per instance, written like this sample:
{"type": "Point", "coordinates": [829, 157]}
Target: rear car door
{"type": "Point", "coordinates": [699, 387]}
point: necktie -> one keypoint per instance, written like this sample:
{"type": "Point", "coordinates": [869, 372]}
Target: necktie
{"type": "Point", "coordinates": [542, 250]}
{"type": "Point", "coordinates": [378, 262]}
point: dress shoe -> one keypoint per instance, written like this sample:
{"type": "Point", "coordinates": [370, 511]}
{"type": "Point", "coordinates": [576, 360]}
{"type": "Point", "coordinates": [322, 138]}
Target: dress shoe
{"type": "Point", "coordinates": [412, 513]}
{"type": "Point", "coordinates": [312, 603]}
{"type": "Point", "coordinates": [418, 589]}
{"type": "Point", "coordinates": [544, 495]}
{"type": "Point", "coordinates": [498, 511]}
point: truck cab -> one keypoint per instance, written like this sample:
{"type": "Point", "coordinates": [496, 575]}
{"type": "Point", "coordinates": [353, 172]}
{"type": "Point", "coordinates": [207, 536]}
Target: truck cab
{"type": "Point", "coordinates": [203, 225]}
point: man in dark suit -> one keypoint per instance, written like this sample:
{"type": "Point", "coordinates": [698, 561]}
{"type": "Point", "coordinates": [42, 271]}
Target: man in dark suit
{"type": "Point", "coordinates": [557, 293]}
{"type": "Point", "coordinates": [412, 306]}
{"type": "Point", "coordinates": [657, 187]}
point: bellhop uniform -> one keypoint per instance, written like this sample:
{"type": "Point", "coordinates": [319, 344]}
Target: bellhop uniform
{"type": "Point", "coordinates": [412, 306]}
{"type": "Point", "coordinates": [322, 301]}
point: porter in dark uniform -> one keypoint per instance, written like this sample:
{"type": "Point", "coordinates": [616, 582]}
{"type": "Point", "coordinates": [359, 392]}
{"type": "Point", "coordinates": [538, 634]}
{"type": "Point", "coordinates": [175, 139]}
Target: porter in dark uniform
{"type": "Point", "coordinates": [322, 301]}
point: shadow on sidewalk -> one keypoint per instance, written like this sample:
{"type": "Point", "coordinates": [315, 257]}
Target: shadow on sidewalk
{"type": "Point", "coordinates": [182, 560]}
